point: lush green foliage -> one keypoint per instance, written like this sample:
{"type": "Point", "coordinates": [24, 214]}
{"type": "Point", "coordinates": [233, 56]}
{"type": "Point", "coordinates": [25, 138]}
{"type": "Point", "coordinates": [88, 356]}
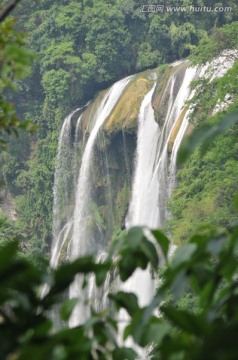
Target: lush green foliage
{"type": "Point", "coordinates": [84, 46]}
{"type": "Point", "coordinates": [9, 230]}
{"type": "Point", "coordinates": [206, 267]}
{"type": "Point", "coordinates": [14, 64]}
{"type": "Point", "coordinates": [219, 40]}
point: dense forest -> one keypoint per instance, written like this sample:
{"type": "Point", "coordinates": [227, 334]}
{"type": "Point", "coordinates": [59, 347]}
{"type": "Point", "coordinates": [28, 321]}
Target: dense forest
{"type": "Point", "coordinates": [55, 58]}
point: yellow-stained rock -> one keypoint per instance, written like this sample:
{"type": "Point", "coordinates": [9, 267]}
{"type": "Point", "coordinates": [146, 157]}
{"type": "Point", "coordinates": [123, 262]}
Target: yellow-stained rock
{"type": "Point", "coordinates": [176, 128]}
{"type": "Point", "coordinates": [125, 113]}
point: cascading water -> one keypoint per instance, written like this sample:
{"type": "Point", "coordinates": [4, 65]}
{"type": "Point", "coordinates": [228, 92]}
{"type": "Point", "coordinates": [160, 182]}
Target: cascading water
{"type": "Point", "coordinates": [62, 190]}
{"type": "Point", "coordinates": [82, 242]}
{"type": "Point", "coordinates": [141, 282]}
{"type": "Point", "coordinates": [63, 187]}
{"type": "Point", "coordinates": [151, 174]}
{"type": "Point", "coordinates": [147, 137]}
{"type": "Point", "coordinates": [150, 185]}
{"type": "Point", "coordinates": [165, 169]}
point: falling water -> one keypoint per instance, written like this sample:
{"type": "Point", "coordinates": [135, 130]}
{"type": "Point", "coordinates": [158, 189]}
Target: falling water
{"type": "Point", "coordinates": [61, 162]}
{"type": "Point", "coordinates": [147, 206]}
{"type": "Point", "coordinates": [82, 240]}
{"type": "Point", "coordinates": [161, 179]}
{"type": "Point", "coordinates": [62, 221]}
{"type": "Point", "coordinates": [151, 174]}
{"type": "Point", "coordinates": [141, 282]}
{"type": "Point", "coordinates": [63, 188]}
{"type": "Point", "coordinates": [148, 133]}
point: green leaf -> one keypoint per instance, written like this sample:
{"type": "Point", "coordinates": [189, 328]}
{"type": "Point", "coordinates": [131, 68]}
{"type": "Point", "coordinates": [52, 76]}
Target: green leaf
{"type": "Point", "coordinates": [101, 273]}
{"type": "Point", "coordinates": [179, 283]}
{"type": "Point", "coordinates": [183, 254]}
{"type": "Point", "coordinates": [128, 263]}
{"type": "Point", "coordinates": [134, 237]}
{"type": "Point", "coordinates": [150, 252]}
{"type": "Point", "coordinates": [162, 240]}
{"type": "Point", "coordinates": [64, 275]}
{"type": "Point", "coordinates": [206, 294]}
{"type": "Point", "coordinates": [124, 354]}
{"type": "Point", "coordinates": [67, 308]}
{"type": "Point", "coordinates": [7, 254]}
{"type": "Point", "coordinates": [193, 324]}
{"type": "Point", "coordinates": [126, 300]}
{"type": "Point", "coordinates": [142, 318]}
{"type": "Point", "coordinates": [215, 245]}
{"type": "Point", "coordinates": [134, 251]}
{"type": "Point", "coordinates": [154, 332]}
{"type": "Point", "coordinates": [43, 328]}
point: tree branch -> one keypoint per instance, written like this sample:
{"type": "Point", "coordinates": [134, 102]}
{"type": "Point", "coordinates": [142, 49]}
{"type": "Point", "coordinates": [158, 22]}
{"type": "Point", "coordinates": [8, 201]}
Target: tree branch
{"type": "Point", "coordinates": [8, 9]}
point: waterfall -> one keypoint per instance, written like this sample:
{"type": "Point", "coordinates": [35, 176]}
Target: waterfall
{"type": "Point", "coordinates": [149, 182]}
{"type": "Point", "coordinates": [79, 246]}
{"type": "Point", "coordinates": [148, 133]}
{"type": "Point", "coordinates": [141, 282]}
{"type": "Point", "coordinates": [164, 173]}
{"type": "Point", "coordinates": [152, 176]}
{"type": "Point", "coordinates": [160, 130]}
{"type": "Point", "coordinates": [61, 164]}
{"type": "Point", "coordinates": [82, 242]}
{"type": "Point", "coordinates": [152, 160]}
{"type": "Point", "coordinates": [63, 187]}
{"type": "Point", "coordinates": [62, 221]}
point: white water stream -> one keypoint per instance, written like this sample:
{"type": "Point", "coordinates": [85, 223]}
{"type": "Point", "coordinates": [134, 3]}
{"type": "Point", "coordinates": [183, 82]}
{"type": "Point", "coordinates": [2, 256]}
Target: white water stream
{"type": "Point", "coordinates": [82, 243]}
